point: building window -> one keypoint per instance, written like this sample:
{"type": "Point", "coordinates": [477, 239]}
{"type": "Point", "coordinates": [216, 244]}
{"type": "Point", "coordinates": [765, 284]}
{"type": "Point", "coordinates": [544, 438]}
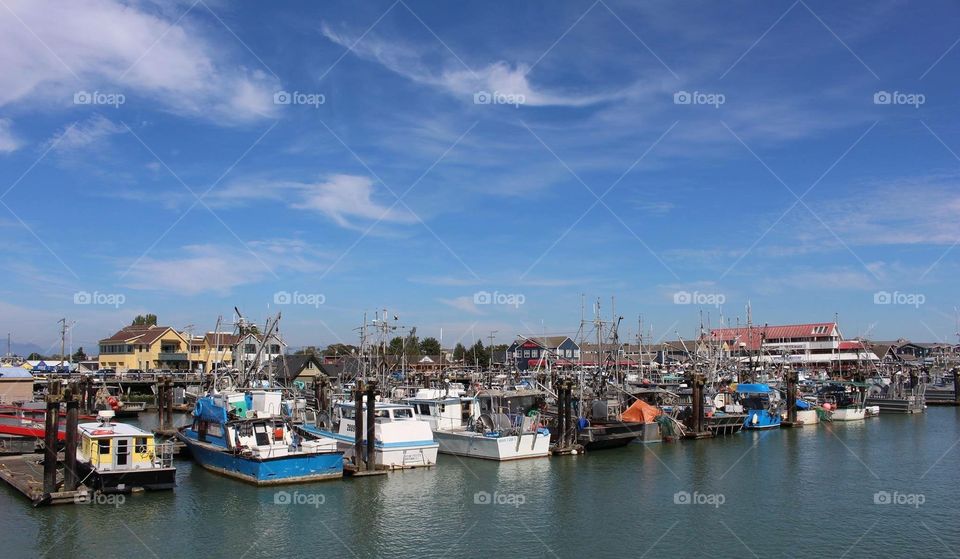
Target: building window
{"type": "Point", "coordinates": [249, 348]}
{"type": "Point", "coordinates": [141, 445]}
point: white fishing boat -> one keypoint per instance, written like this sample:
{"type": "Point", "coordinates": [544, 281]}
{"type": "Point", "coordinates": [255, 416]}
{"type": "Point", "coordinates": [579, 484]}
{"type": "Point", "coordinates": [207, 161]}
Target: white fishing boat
{"type": "Point", "coordinates": [401, 439]}
{"type": "Point", "coordinates": [843, 400]}
{"type": "Point", "coordinates": [494, 425]}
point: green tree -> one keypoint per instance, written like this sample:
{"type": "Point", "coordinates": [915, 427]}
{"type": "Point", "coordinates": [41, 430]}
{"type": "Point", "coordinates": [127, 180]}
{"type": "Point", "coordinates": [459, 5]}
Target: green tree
{"type": "Point", "coordinates": [459, 352]}
{"type": "Point", "coordinates": [396, 346]}
{"type": "Point", "coordinates": [35, 357]}
{"type": "Point", "coordinates": [429, 346]}
{"type": "Point", "coordinates": [411, 345]}
{"type": "Point", "coordinates": [145, 320]}
{"type": "Point", "coordinates": [478, 355]}
{"type": "Point", "coordinates": [79, 356]}
{"type": "Point", "coordinates": [307, 350]}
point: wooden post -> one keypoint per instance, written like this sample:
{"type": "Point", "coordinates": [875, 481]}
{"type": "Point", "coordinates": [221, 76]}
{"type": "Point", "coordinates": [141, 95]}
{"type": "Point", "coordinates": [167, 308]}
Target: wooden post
{"type": "Point", "coordinates": [358, 425]}
{"type": "Point", "coordinates": [168, 394]}
{"type": "Point", "coordinates": [160, 420]}
{"type": "Point", "coordinates": [70, 477]}
{"type": "Point", "coordinates": [371, 427]}
{"type": "Point", "coordinates": [570, 430]}
{"type": "Point", "coordinates": [791, 396]}
{"type": "Point", "coordinates": [561, 416]}
{"type": "Point", "coordinates": [50, 445]}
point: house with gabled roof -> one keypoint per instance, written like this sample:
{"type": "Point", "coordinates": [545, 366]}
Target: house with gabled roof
{"type": "Point", "coordinates": [526, 352]}
{"type": "Point", "coordinates": [145, 348]}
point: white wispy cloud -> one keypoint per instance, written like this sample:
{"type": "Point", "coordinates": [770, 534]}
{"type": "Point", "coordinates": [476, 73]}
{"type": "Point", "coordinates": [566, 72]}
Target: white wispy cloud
{"type": "Point", "coordinates": [464, 304]}
{"type": "Point", "coordinates": [128, 48]}
{"type": "Point", "coordinates": [500, 76]}
{"type": "Point", "coordinates": [342, 198]}
{"type": "Point", "coordinates": [84, 134]}
{"type": "Point", "coordinates": [216, 268]}
{"type": "Point", "coordinates": [8, 141]}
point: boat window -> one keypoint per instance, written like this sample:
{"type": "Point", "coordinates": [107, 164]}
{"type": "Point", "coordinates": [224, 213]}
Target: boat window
{"type": "Point", "coordinates": [382, 413]}
{"type": "Point", "coordinates": [423, 409]}
{"type": "Point", "coordinates": [260, 431]}
{"type": "Point", "coordinates": [104, 446]}
{"type": "Point", "coordinates": [346, 413]}
{"type": "Point", "coordinates": [403, 413]}
{"type": "Point", "coordinates": [141, 447]}
{"type": "Point", "coordinates": [215, 430]}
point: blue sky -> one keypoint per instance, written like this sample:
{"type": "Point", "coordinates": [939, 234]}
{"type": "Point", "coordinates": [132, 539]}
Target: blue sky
{"type": "Point", "coordinates": [183, 158]}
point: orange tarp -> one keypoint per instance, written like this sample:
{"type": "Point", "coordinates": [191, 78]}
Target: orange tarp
{"type": "Point", "coordinates": [641, 412]}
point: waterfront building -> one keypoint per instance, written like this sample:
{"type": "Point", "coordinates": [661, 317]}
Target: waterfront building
{"type": "Point", "coordinates": [819, 344]}
{"type": "Point", "coordinates": [212, 350]}
{"type": "Point", "coordinates": [528, 352]}
{"type": "Point", "coordinates": [144, 348]}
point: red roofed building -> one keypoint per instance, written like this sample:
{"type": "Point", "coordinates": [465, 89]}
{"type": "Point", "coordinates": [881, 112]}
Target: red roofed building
{"type": "Point", "coordinates": [819, 343]}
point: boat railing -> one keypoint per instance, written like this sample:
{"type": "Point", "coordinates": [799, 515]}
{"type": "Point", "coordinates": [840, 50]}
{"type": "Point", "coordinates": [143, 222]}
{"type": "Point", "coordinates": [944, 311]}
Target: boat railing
{"type": "Point", "coordinates": [165, 452]}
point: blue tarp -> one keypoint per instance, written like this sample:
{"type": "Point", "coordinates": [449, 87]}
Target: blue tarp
{"type": "Point", "coordinates": [208, 411]}
{"type": "Point", "coordinates": [804, 405]}
{"type": "Point", "coordinates": [753, 388]}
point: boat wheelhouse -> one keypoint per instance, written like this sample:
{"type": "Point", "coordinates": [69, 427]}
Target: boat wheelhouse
{"type": "Point", "coordinates": [761, 404]}
{"type": "Point", "coordinates": [243, 435]}
{"type": "Point", "coordinates": [494, 424]}
{"type": "Point", "coordinates": [401, 439]}
{"type": "Point", "coordinates": [115, 457]}
{"type": "Point", "coordinates": [844, 400]}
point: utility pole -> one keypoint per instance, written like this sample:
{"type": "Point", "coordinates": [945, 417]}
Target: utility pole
{"type": "Point", "coordinates": [63, 338]}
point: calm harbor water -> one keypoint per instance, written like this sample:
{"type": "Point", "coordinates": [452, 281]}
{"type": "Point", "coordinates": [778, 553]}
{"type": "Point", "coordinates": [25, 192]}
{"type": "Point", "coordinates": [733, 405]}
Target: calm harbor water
{"type": "Point", "coordinates": [883, 487]}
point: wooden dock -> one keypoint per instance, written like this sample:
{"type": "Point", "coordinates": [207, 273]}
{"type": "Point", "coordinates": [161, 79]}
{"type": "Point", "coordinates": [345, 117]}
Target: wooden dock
{"type": "Point", "coordinates": [25, 474]}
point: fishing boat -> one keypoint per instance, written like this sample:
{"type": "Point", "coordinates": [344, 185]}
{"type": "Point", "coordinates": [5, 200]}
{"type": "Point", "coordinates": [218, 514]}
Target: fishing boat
{"type": "Point", "coordinates": [843, 400]}
{"type": "Point", "coordinates": [401, 439]}
{"type": "Point", "coordinates": [115, 457]}
{"type": "Point", "coordinates": [493, 425]}
{"type": "Point", "coordinates": [23, 426]}
{"type": "Point", "coordinates": [243, 435]}
{"type": "Point", "coordinates": [761, 404]}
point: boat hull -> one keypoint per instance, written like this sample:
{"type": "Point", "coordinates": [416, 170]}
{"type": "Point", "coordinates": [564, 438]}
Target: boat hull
{"type": "Point", "coordinates": [529, 445]}
{"type": "Point", "coordinates": [599, 436]}
{"type": "Point", "coordinates": [391, 456]}
{"type": "Point", "coordinates": [848, 414]}
{"type": "Point", "coordinates": [124, 481]}
{"type": "Point", "coordinates": [293, 468]}
{"type": "Point", "coordinates": [761, 419]}
{"type": "Point", "coordinates": [807, 417]}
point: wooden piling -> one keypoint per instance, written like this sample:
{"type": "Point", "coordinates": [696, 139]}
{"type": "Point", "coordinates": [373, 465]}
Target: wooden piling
{"type": "Point", "coordinates": [358, 425]}
{"type": "Point", "coordinates": [70, 477]}
{"type": "Point", "coordinates": [791, 378]}
{"type": "Point", "coordinates": [371, 427]}
{"type": "Point", "coordinates": [50, 445]}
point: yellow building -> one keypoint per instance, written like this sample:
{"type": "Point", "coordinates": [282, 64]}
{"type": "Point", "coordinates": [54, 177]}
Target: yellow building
{"type": "Point", "coordinates": [211, 350]}
{"type": "Point", "coordinates": [145, 348]}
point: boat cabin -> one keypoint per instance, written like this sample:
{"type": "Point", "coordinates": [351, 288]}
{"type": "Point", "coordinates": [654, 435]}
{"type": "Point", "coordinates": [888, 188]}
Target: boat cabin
{"type": "Point", "coordinates": [110, 446]}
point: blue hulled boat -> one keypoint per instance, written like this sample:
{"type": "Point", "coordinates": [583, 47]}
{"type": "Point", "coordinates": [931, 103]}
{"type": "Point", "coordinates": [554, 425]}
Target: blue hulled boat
{"type": "Point", "coordinates": [243, 435]}
{"type": "Point", "coordinates": [761, 404]}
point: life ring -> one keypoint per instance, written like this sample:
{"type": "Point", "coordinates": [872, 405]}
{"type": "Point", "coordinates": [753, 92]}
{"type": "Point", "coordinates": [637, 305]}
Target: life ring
{"type": "Point", "coordinates": [113, 403]}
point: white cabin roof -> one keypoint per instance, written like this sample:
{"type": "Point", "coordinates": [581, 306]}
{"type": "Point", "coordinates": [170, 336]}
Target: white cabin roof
{"type": "Point", "coordinates": [111, 430]}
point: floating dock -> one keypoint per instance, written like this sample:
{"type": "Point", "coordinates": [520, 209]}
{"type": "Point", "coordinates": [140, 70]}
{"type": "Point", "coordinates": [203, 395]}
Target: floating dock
{"type": "Point", "coordinates": [25, 474]}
